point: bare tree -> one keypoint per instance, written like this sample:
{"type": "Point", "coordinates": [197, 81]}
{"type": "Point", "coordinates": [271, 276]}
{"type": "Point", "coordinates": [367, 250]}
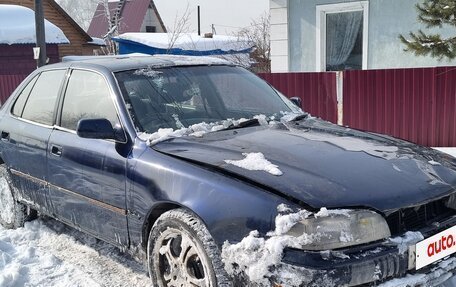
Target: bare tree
{"type": "Point", "coordinates": [181, 26]}
{"type": "Point", "coordinates": [81, 11]}
{"type": "Point", "coordinates": [113, 27]}
{"type": "Point", "coordinates": [257, 36]}
{"type": "Point", "coordinates": [258, 33]}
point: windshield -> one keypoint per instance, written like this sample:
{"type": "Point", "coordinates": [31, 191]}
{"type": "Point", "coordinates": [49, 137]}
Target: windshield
{"type": "Point", "coordinates": [179, 97]}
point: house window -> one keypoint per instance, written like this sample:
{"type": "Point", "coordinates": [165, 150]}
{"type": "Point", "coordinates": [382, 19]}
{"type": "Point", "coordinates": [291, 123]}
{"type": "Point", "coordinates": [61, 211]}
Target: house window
{"type": "Point", "coordinates": [151, 29]}
{"type": "Point", "coordinates": [342, 31]}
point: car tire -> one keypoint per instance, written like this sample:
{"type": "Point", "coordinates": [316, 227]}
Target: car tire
{"type": "Point", "coordinates": [181, 252]}
{"type": "Point", "coordinates": [12, 213]}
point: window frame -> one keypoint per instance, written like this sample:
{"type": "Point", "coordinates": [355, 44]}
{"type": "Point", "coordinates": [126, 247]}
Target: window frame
{"type": "Point", "coordinates": [322, 11]}
{"type": "Point", "coordinates": [151, 27]}
{"type": "Point", "coordinates": [56, 105]}
{"type": "Point", "coordinates": [112, 96]}
{"type": "Point", "coordinates": [32, 82]}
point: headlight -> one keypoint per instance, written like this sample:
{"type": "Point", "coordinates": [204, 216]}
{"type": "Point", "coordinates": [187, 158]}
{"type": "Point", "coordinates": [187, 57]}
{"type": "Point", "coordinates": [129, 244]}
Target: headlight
{"type": "Point", "coordinates": [339, 229]}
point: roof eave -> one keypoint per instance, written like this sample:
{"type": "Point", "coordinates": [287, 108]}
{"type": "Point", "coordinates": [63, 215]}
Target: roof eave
{"type": "Point", "coordinates": [70, 19]}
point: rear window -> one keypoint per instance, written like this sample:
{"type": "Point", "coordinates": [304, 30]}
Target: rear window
{"type": "Point", "coordinates": [18, 106]}
{"type": "Point", "coordinates": [40, 105]}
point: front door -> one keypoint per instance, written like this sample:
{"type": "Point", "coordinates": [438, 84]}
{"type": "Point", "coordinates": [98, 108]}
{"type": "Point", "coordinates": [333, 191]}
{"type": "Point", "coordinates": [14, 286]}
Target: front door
{"type": "Point", "coordinates": [87, 177]}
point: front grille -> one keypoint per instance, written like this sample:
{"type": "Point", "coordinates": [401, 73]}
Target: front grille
{"type": "Point", "coordinates": [415, 218]}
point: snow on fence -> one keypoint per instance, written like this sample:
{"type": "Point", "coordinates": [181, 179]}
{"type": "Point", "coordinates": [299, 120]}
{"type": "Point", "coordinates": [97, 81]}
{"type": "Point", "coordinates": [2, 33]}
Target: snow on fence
{"type": "Point", "coordinates": [417, 105]}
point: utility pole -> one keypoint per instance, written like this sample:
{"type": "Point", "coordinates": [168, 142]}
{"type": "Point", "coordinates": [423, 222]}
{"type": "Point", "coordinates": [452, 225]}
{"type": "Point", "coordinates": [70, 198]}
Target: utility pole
{"type": "Point", "coordinates": [199, 21]}
{"type": "Point", "coordinates": [40, 32]}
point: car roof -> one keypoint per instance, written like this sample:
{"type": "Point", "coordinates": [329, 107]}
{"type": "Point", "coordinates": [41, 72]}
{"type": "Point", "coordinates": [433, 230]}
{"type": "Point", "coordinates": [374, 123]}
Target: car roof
{"type": "Point", "coordinates": [129, 62]}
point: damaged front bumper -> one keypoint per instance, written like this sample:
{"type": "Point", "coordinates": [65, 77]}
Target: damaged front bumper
{"type": "Point", "coordinates": [390, 263]}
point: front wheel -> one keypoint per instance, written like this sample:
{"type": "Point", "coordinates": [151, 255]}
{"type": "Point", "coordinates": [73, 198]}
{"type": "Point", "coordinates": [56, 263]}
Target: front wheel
{"type": "Point", "coordinates": [12, 213]}
{"type": "Point", "coordinates": [181, 253]}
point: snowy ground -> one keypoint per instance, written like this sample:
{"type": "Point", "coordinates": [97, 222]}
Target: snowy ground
{"type": "Point", "coordinates": [47, 253]}
{"type": "Point", "coordinates": [449, 150]}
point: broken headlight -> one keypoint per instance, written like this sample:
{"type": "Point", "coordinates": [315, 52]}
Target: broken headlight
{"type": "Point", "coordinates": [339, 229]}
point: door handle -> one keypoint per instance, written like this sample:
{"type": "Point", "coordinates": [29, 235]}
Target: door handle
{"type": "Point", "coordinates": [56, 150]}
{"type": "Point", "coordinates": [5, 136]}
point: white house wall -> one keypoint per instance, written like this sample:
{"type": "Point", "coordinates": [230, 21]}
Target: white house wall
{"type": "Point", "coordinates": [387, 19]}
{"type": "Point", "coordinates": [279, 35]}
{"type": "Point", "coordinates": [151, 19]}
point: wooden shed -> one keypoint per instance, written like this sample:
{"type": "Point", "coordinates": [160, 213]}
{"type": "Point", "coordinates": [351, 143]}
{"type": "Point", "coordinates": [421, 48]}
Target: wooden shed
{"type": "Point", "coordinates": [80, 42]}
{"type": "Point", "coordinates": [17, 39]}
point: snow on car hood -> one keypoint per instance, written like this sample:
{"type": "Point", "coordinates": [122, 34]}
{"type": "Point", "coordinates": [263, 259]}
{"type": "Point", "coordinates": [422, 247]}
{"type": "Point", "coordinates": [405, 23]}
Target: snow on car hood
{"type": "Point", "coordinates": [325, 165]}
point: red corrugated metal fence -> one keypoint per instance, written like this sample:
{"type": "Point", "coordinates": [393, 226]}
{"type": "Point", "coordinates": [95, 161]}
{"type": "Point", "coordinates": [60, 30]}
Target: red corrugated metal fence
{"type": "Point", "coordinates": [445, 106]}
{"type": "Point", "coordinates": [418, 105]}
{"type": "Point", "coordinates": [414, 104]}
{"type": "Point", "coordinates": [8, 84]}
{"type": "Point", "coordinates": [318, 91]}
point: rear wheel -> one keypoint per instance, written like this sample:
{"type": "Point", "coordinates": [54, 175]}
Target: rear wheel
{"type": "Point", "coordinates": [182, 253]}
{"type": "Point", "coordinates": [12, 213]}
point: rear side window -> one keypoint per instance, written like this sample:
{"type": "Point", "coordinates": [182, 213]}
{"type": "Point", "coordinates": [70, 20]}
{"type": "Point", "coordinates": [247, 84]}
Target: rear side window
{"type": "Point", "coordinates": [87, 97]}
{"type": "Point", "coordinates": [20, 101]}
{"type": "Point", "coordinates": [41, 102]}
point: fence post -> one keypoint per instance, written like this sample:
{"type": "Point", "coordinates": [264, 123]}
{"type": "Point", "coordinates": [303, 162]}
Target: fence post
{"type": "Point", "coordinates": [340, 97]}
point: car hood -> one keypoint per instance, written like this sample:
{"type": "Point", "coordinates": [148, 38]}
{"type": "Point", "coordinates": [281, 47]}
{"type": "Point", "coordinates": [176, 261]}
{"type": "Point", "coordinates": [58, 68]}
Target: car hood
{"type": "Point", "coordinates": [325, 165]}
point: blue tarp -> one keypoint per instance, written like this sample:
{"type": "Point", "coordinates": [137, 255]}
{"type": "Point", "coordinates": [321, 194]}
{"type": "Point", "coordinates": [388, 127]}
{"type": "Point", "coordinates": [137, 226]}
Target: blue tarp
{"type": "Point", "coordinates": [128, 47]}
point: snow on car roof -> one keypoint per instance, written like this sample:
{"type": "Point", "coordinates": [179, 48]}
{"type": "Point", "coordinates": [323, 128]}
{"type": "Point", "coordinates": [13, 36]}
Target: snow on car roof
{"type": "Point", "coordinates": [117, 63]}
{"type": "Point", "coordinates": [17, 26]}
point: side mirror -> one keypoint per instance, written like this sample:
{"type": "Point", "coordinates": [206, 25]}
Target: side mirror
{"type": "Point", "coordinates": [98, 129]}
{"type": "Point", "coordinates": [297, 101]}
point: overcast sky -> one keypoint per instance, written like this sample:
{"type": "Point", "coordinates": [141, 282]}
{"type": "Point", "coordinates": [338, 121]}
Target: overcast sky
{"type": "Point", "coordinates": [227, 15]}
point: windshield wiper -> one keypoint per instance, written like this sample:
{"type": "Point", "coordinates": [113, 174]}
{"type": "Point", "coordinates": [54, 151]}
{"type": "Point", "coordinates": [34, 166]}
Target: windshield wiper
{"type": "Point", "coordinates": [245, 124]}
{"type": "Point", "coordinates": [300, 117]}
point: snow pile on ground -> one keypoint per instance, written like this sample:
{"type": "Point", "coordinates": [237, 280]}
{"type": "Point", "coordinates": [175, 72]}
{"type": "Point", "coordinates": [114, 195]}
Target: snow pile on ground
{"type": "Point", "coordinates": [448, 150]}
{"type": "Point", "coordinates": [7, 201]}
{"type": "Point", "coordinates": [48, 253]}
{"type": "Point", "coordinates": [17, 26]}
{"type": "Point", "coordinates": [256, 161]}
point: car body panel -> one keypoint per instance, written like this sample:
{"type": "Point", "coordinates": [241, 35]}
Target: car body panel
{"type": "Point", "coordinates": [27, 142]}
{"type": "Point", "coordinates": [87, 183]}
{"type": "Point", "coordinates": [321, 173]}
{"type": "Point", "coordinates": [228, 207]}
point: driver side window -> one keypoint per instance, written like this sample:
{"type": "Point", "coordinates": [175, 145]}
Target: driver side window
{"type": "Point", "coordinates": [87, 96]}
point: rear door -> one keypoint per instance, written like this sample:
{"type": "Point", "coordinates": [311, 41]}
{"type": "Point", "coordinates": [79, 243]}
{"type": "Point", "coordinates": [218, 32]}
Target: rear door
{"type": "Point", "coordinates": [87, 176]}
{"type": "Point", "coordinates": [26, 134]}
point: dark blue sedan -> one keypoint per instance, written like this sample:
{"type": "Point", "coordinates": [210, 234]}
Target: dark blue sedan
{"type": "Point", "coordinates": [214, 178]}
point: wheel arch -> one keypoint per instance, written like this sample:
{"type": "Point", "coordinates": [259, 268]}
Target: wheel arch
{"type": "Point", "coordinates": [152, 217]}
